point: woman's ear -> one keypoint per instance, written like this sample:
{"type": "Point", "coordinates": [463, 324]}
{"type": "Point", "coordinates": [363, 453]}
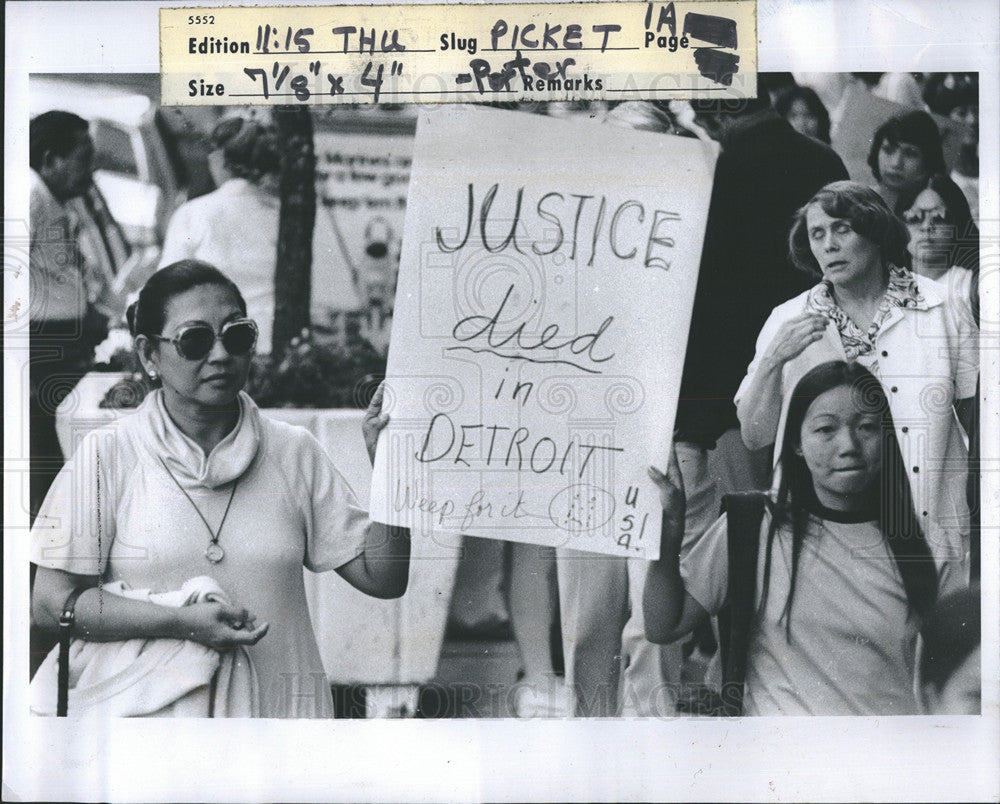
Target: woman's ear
{"type": "Point", "coordinates": [50, 161]}
{"type": "Point", "coordinates": [147, 355]}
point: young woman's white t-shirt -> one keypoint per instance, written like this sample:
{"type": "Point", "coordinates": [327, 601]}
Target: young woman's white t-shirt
{"type": "Point", "coordinates": [853, 633]}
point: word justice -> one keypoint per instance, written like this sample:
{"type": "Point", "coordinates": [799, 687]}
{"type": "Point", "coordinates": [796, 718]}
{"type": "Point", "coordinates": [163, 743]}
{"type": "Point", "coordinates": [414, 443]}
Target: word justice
{"type": "Point", "coordinates": [581, 224]}
{"type": "Point", "coordinates": [494, 444]}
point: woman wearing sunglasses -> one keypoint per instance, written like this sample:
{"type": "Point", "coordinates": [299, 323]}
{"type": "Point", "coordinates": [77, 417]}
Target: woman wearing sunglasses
{"type": "Point", "coordinates": [197, 483]}
{"type": "Point", "coordinates": [944, 240]}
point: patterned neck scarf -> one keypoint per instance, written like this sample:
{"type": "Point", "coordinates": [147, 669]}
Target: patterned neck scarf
{"type": "Point", "coordinates": [901, 292]}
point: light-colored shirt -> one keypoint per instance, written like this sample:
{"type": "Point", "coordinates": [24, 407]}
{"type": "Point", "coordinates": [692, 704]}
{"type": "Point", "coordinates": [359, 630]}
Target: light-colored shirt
{"type": "Point", "coordinates": [957, 283]}
{"type": "Point", "coordinates": [235, 228]}
{"type": "Point", "coordinates": [58, 284]}
{"type": "Point", "coordinates": [114, 511]}
{"type": "Point", "coordinates": [853, 633]}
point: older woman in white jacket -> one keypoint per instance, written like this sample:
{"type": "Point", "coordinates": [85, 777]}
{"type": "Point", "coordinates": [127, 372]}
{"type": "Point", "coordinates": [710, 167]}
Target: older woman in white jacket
{"type": "Point", "coordinates": [905, 329]}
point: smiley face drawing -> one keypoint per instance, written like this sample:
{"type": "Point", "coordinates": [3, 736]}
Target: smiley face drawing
{"type": "Point", "coordinates": [581, 508]}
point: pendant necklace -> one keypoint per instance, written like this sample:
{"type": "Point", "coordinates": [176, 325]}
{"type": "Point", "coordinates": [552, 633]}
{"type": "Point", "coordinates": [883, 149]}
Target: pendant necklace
{"type": "Point", "coordinates": [214, 551]}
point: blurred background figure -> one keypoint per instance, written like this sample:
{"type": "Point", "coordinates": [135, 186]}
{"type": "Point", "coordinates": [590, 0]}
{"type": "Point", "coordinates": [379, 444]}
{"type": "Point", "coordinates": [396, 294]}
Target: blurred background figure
{"type": "Point", "coordinates": [138, 178]}
{"type": "Point", "coordinates": [950, 677]}
{"type": "Point", "coordinates": [776, 84]}
{"type": "Point", "coordinates": [956, 96]}
{"type": "Point", "coordinates": [901, 88]}
{"type": "Point", "coordinates": [66, 323]}
{"type": "Point", "coordinates": [944, 241]}
{"type": "Point", "coordinates": [803, 109]}
{"type": "Point", "coordinates": [829, 87]}
{"type": "Point", "coordinates": [905, 153]}
{"type": "Point", "coordinates": [236, 227]}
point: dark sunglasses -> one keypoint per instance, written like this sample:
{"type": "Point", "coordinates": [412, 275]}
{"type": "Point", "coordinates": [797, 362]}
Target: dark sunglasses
{"type": "Point", "coordinates": [195, 341]}
{"type": "Point", "coordinates": [935, 216]}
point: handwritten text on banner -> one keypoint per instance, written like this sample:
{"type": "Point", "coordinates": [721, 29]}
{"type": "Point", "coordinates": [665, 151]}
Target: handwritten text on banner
{"type": "Point", "coordinates": [542, 310]}
{"type": "Point", "coordinates": [458, 53]}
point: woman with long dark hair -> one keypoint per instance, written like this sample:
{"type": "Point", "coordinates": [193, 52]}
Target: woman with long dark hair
{"type": "Point", "coordinates": [843, 574]}
{"type": "Point", "coordinates": [944, 240]}
{"type": "Point", "coordinates": [802, 107]}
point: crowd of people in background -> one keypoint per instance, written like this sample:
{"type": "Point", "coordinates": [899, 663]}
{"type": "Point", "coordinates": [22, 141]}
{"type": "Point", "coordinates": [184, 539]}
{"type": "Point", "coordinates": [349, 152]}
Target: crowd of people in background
{"type": "Point", "coordinates": [235, 227]}
{"type": "Point", "coordinates": [850, 311]}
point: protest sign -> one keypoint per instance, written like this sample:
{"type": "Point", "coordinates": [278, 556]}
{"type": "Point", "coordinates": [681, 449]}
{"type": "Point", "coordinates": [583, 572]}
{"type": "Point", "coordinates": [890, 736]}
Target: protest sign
{"type": "Point", "coordinates": [541, 318]}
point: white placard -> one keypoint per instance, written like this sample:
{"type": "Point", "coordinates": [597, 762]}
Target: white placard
{"type": "Point", "coordinates": [541, 319]}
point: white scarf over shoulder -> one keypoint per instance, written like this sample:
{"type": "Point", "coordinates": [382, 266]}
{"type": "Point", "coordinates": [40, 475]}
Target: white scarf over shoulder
{"type": "Point", "coordinates": [152, 677]}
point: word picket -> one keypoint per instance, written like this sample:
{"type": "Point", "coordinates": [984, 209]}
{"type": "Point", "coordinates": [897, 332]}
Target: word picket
{"type": "Point", "coordinates": [458, 53]}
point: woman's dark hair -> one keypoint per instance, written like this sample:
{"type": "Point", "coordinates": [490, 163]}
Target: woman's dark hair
{"type": "Point", "coordinates": [945, 91]}
{"type": "Point", "coordinates": [868, 215]}
{"type": "Point", "coordinates": [147, 315]}
{"type": "Point", "coordinates": [869, 79]}
{"type": "Point", "coordinates": [53, 132]}
{"type": "Point", "coordinates": [914, 128]}
{"type": "Point", "coordinates": [951, 633]}
{"type": "Point", "coordinates": [959, 215]}
{"type": "Point", "coordinates": [250, 149]}
{"type": "Point", "coordinates": [783, 105]}
{"type": "Point", "coordinates": [796, 496]}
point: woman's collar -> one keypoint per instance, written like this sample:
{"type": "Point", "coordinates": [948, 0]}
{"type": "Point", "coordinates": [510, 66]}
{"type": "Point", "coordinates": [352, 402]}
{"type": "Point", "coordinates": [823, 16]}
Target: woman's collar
{"type": "Point", "coordinates": [230, 458]}
{"type": "Point", "coordinates": [904, 290]}
{"type": "Point", "coordinates": [867, 513]}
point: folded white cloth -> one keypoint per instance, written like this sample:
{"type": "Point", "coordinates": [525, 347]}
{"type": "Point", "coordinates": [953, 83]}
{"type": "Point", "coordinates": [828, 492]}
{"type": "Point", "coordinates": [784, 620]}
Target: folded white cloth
{"type": "Point", "coordinates": [152, 677]}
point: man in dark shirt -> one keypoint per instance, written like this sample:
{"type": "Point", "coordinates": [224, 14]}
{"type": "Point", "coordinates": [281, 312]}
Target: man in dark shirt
{"type": "Point", "coordinates": [766, 171]}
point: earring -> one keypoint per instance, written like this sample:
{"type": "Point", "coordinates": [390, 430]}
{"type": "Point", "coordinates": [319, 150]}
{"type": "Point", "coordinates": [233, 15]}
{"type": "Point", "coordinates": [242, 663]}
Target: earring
{"type": "Point", "coordinates": [152, 375]}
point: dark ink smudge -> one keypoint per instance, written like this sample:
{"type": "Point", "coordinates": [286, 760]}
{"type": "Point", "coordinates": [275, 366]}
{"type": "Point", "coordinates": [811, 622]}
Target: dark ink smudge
{"type": "Point", "coordinates": [719, 31]}
{"type": "Point", "coordinates": [716, 65]}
